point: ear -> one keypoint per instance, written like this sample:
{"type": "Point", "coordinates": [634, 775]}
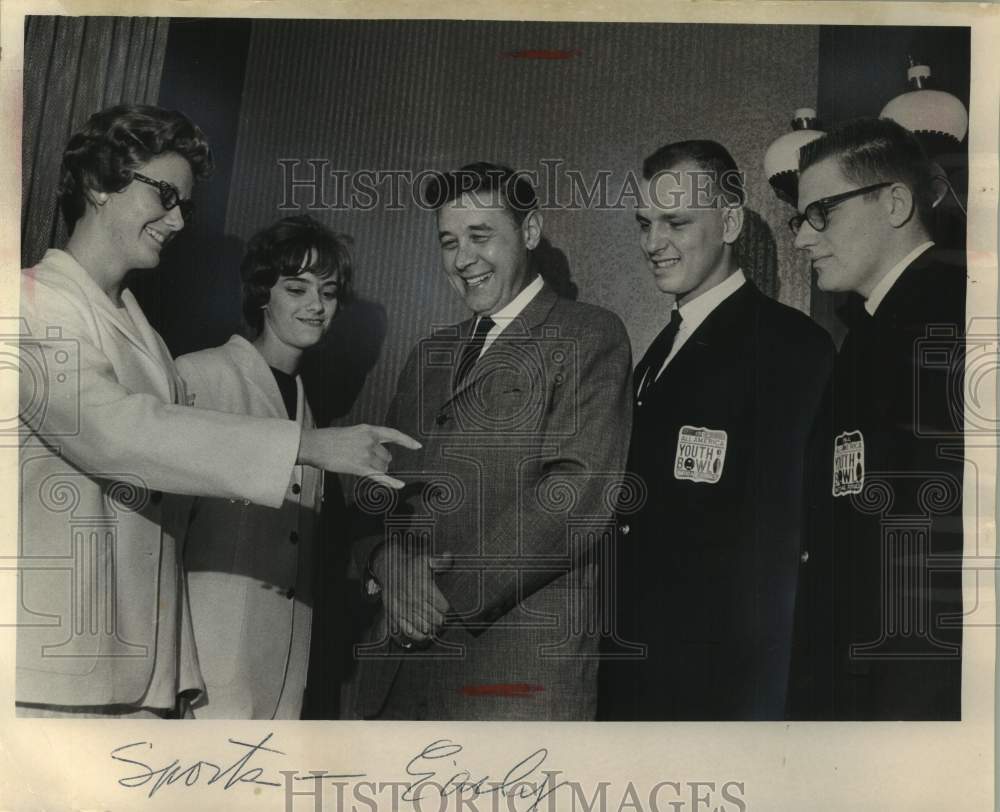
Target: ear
{"type": "Point", "coordinates": [531, 229]}
{"type": "Point", "coordinates": [732, 223]}
{"type": "Point", "coordinates": [899, 204]}
{"type": "Point", "coordinates": [96, 198]}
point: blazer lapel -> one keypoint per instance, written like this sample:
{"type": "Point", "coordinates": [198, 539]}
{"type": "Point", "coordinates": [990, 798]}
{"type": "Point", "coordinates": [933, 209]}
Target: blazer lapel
{"type": "Point", "coordinates": [721, 331]}
{"type": "Point", "coordinates": [519, 329]}
{"type": "Point", "coordinates": [155, 355]}
{"type": "Point", "coordinates": [259, 377]}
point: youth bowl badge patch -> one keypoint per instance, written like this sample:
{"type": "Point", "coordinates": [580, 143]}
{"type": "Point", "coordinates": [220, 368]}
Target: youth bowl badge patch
{"type": "Point", "coordinates": [848, 463]}
{"type": "Point", "coordinates": [701, 453]}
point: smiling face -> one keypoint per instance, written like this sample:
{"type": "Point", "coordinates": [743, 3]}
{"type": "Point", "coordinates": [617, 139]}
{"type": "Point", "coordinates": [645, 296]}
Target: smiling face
{"type": "Point", "coordinates": [847, 254]}
{"type": "Point", "coordinates": [134, 223]}
{"type": "Point", "coordinates": [299, 310]}
{"type": "Point", "coordinates": [688, 247]}
{"type": "Point", "coordinates": [484, 252]}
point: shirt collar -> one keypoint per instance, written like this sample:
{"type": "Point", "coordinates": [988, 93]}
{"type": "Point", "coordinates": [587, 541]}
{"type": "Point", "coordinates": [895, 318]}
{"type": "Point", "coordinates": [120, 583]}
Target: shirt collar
{"type": "Point", "coordinates": [513, 308]}
{"type": "Point", "coordinates": [886, 282]}
{"type": "Point", "coordinates": [697, 310]}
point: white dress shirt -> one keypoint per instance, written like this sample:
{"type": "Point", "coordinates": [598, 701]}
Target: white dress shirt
{"type": "Point", "coordinates": [886, 282]}
{"type": "Point", "coordinates": [505, 315]}
{"type": "Point", "coordinates": [693, 313]}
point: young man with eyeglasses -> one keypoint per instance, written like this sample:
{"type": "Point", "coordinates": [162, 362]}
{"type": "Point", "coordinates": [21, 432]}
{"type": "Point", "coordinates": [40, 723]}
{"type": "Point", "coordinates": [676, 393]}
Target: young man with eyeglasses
{"type": "Point", "coordinates": [881, 631]}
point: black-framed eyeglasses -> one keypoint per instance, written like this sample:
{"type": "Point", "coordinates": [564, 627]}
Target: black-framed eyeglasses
{"type": "Point", "coordinates": [818, 211]}
{"type": "Point", "coordinates": [169, 196]}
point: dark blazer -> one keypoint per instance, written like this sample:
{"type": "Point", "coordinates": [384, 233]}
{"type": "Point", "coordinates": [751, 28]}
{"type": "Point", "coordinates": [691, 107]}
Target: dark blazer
{"type": "Point", "coordinates": [517, 479]}
{"type": "Point", "coordinates": [880, 622]}
{"type": "Point", "coordinates": [707, 571]}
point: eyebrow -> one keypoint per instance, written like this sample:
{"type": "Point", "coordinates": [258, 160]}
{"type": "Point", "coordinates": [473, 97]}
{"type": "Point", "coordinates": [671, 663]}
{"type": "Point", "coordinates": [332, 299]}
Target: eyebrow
{"type": "Point", "coordinates": [321, 281]}
{"type": "Point", "coordinates": [477, 227]}
{"type": "Point", "coordinates": [662, 215]}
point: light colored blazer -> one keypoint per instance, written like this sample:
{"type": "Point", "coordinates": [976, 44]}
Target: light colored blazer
{"type": "Point", "coordinates": [516, 478]}
{"type": "Point", "coordinates": [250, 567]}
{"type": "Point", "coordinates": [105, 439]}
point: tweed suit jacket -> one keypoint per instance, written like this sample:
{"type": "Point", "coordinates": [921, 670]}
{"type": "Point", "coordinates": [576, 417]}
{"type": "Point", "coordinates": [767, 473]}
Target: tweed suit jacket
{"type": "Point", "coordinates": [516, 480]}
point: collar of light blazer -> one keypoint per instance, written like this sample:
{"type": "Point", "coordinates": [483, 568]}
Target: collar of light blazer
{"type": "Point", "coordinates": [67, 271]}
{"type": "Point", "coordinates": [258, 372]}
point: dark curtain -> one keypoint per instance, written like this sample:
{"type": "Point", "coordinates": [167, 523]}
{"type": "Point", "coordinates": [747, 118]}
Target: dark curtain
{"type": "Point", "coordinates": [73, 67]}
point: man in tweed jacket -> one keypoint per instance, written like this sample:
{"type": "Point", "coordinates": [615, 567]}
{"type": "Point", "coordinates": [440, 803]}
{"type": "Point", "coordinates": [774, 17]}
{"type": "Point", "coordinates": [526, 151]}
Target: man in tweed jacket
{"type": "Point", "coordinates": [484, 567]}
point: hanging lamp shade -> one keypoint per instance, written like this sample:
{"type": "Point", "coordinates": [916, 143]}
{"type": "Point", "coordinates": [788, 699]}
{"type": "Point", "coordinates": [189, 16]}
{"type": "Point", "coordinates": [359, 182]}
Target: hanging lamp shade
{"type": "Point", "coordinates": [938, 119]}
{"type": "Point", "coordinates": [781, 161]}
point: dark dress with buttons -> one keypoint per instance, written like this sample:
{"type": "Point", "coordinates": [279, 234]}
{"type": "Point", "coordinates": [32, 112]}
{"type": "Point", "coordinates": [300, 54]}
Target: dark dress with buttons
{"type": "Point", "coordinates": [707, 571]}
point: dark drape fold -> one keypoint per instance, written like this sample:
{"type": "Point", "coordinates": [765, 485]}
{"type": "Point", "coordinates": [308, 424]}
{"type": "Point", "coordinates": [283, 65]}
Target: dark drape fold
{"type": "Point", "coordinates": [73, 67]}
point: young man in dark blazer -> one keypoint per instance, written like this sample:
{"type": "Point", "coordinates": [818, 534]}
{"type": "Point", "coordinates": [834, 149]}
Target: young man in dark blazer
{"type": "Point", "coordinates": [881, 621]}
{"type": "Point", "coordinates": [483, 569]}
{"type": "Point", "coordinates": [725, 400]}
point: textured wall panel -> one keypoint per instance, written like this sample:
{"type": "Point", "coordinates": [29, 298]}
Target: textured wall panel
{"type": "Point", "coordinates": [433, 95]}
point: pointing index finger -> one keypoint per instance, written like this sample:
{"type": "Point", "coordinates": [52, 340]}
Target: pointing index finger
{"type": "Point", "coordinates": [386, 435]}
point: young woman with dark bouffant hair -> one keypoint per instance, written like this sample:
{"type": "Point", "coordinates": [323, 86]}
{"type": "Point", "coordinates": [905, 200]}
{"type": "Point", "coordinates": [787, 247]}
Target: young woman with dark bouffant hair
{"type": "Point", "coordinates": [250, 568]}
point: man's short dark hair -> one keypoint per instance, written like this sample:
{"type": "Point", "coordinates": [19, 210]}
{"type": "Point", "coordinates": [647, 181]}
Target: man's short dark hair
{"type": "Point", "coordinates": [875, 150]}
{"type": "Point", "coordinates": [113, 143]}
{"type": "Point", "coordinates": [710, 157]}
{"type": "Point", "coordinates": [482, 179]}
{"type": "Point", "coordinates": [280, 250]}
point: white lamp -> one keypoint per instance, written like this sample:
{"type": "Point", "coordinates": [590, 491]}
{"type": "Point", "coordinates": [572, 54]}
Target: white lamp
{"type": "Point", "coordinates": [781, 161]}
{"type": "Point", "coordinates": [939, 119]}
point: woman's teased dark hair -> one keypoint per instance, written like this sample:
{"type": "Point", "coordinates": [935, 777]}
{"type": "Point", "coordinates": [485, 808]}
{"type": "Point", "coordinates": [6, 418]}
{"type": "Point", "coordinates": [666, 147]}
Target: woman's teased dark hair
{"type": "Point", "coordinates": [280, 250]}
{"type": "Point", "coordinates": [102, 156]}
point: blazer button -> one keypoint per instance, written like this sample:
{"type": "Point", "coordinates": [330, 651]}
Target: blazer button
{"type": "Point", "coordinates": [293, 537]}
{"type": "Point", "coordinates": [156, 497]}
{"type": "Point", "coordinates": [804, 557]}
{"type": "Point", "coordinates": [296, 488]}
{"type": "Point", "coordinates": [290, 593]}
{"type": "Point", "coordinates": [624, 529]}
{"type": "Point", "coordinates": [441, 419]}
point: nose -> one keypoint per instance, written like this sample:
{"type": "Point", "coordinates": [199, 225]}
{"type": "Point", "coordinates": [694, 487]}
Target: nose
{"type": "Point", "coordinates": [653, 240]}
{"type": "Point", "coordinates": [174, 219]}
{"type": "Point", "coordinates": [317, 304]}
{"type": "Point", "coordinates": [464, 256]}
{"type": "Point", "coordinates": [806, 236]}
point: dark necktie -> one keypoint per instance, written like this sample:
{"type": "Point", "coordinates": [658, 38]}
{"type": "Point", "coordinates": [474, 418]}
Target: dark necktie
{"type": "Point", "coordinates": [470, 352]}
{"type": "Point", "coordinates": [649, 366]}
